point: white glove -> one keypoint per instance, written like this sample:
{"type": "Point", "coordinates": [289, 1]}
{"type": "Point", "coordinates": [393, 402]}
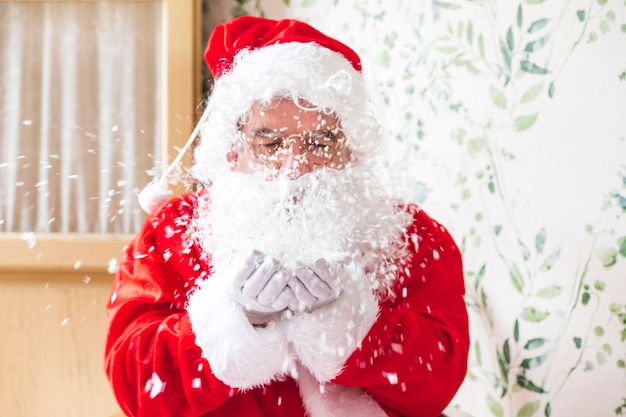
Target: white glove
{"type": "Point", "coordinates": [261, 288]}
{"type": "Point", "coordinates": [313, 287]}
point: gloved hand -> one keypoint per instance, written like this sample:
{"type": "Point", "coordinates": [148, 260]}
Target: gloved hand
{"type": "Point", "coordinates": [261, 288]}
{"type": "Point", "coordinates": [313, 287]}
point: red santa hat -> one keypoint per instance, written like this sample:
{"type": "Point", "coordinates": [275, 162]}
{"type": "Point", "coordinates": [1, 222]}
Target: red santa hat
{"type": "Point", "coordinates": [251, 32]}
{"type": "Point", "coordinates": [255, 59]}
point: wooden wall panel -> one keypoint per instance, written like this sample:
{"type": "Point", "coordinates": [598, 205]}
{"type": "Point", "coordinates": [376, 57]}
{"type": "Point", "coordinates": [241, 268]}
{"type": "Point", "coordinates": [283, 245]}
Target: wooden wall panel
{"type": "Point", "coordinates": [51, 348]}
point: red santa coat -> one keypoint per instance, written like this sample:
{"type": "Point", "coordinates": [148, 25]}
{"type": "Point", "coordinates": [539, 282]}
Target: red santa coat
{"type": "Point", "coordinates": [411, 362]}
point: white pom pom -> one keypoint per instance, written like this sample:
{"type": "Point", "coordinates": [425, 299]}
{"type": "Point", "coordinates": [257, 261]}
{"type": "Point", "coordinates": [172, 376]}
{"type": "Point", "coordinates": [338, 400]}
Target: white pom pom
{"type": "Point", "coordinates": [152, 197]}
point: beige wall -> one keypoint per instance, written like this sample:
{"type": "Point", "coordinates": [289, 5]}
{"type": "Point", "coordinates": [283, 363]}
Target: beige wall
{"type": "Point", "coordinates": [274, 9]}
{"type": "Point", "coordinates": [51, 347]}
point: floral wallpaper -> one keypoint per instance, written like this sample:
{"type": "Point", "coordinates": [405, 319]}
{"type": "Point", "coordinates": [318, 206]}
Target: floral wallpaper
{"type": "Point", "coordinates": [507, 123]}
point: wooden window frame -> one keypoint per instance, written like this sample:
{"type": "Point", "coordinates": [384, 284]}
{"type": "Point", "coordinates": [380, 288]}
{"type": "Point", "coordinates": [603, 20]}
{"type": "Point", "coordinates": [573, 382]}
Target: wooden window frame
{"type": "Point", "coordinates": [50, 256]}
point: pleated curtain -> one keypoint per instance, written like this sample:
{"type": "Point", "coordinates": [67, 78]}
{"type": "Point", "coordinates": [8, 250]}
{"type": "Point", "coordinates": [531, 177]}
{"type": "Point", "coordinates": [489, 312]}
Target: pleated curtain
{"type": "Point", "coordinates": [80, 100]}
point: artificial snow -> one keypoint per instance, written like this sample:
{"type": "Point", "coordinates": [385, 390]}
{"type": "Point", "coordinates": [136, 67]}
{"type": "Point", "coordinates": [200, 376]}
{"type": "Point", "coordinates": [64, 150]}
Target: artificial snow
{"type": "Point", "coordinates": [396, 347]}
{"type": "Point", "coordinates": [29, 238]}
{"type": "Point", "coordinates": [112, 266]}
{"type": "Point", "coordinates": [392, 377]}
{"type": "Point", "coordinates": [154, 385]}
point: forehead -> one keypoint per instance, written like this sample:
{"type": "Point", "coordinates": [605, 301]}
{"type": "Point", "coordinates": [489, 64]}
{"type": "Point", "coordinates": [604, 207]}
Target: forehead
{"type": "Point", "coordinates": [285, 114]}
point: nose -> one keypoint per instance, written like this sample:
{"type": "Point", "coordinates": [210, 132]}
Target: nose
{"type": "Point", "coordinates": [296, 162]}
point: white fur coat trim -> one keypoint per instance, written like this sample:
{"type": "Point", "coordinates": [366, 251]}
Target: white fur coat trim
{"type": "Point", "coordinates": [240, 355]}
{"type": "Point", "coordinates": [325, 338]}
{"type": "Point", "coordinates": [332, 400]}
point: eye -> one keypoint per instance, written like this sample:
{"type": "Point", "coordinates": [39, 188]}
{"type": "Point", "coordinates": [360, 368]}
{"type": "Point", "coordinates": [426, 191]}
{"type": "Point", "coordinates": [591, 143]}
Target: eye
{"type": "Point", "coordinates": [267, 139]}
{"type": "Point", "coordinates": [323, 138]}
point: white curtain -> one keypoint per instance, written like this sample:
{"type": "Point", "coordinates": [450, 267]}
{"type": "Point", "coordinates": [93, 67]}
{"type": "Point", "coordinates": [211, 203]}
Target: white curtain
{"type": "Point", "coordinates": [80, 98]}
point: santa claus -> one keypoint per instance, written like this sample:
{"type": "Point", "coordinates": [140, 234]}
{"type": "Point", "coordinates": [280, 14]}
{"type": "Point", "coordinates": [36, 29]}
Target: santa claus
{"type": "Point", "coordinates": [291, 284]}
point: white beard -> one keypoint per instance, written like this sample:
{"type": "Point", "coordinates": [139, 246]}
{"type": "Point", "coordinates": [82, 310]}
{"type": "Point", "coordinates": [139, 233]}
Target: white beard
{"type": "Point", "coordinates": [330, 214]}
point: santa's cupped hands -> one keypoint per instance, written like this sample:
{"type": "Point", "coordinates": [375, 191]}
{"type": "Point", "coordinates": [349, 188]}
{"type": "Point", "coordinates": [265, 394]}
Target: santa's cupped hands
{"type": "Point", "coordinates": [265, 290]}
{"type": "Point", "coordinates": [313, 287]}
{"type": "Point", "coordinates": [260, 286]}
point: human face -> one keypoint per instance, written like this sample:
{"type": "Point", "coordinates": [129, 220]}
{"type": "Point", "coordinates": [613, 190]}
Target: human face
{"type": "Point", "coordinates": [291, 139]}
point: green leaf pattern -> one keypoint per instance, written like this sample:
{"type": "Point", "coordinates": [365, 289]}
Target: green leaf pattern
{"type": "Point", "coordinates": [480, 81]}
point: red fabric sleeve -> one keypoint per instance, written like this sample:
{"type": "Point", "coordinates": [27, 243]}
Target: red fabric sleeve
{"type": "Point", "coordinates": [415, 356]}
{"type": "Point", "coordinates": [151, 359]}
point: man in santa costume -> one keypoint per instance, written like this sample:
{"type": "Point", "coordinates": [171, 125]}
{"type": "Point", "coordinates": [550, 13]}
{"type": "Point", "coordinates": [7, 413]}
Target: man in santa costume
{"type": "Point", "coordinates": [290, 284]}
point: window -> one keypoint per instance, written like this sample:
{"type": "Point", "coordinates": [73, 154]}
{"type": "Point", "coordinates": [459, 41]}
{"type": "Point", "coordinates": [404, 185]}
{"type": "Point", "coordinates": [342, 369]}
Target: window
{"type": "Point", "coordinates": [96, 94]}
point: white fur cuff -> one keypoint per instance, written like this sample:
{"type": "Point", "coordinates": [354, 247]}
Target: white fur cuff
{"type": "Point", "coordinates": [326, 337]}
{"type": "Point", "coordinates": [239, 354]}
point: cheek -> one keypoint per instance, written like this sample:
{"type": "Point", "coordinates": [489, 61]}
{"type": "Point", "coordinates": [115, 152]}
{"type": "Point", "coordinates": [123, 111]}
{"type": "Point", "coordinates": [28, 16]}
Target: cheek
{"type": "Point", "coordinates": [241, 163]}
{"type": "Point", "coordinates": [244, 161]}
{"type": "Point", "coordinates": [341, 157]}
{"type": "Point", "coordinates": [232, 156]}
{"type": "Point", "coordinates": [238, 159]}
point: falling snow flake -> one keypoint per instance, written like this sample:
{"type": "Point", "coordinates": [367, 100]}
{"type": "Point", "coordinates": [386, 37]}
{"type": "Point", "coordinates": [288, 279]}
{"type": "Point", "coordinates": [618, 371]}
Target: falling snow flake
{"type": "Point", "coordinates": [396, 347]}
{"type": "Point", "coordinates": [29, 238]}
{"type": "Point", "coordinates": [392, 377]}
{"type": "Point", "coordinates": [154, 385]}
{"type": "Point", "coordinates": [441, 346]}
{"type": "Point", "coordinates": [112, 267]}
{"type": "Point", "coordinates": [169, 232]}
